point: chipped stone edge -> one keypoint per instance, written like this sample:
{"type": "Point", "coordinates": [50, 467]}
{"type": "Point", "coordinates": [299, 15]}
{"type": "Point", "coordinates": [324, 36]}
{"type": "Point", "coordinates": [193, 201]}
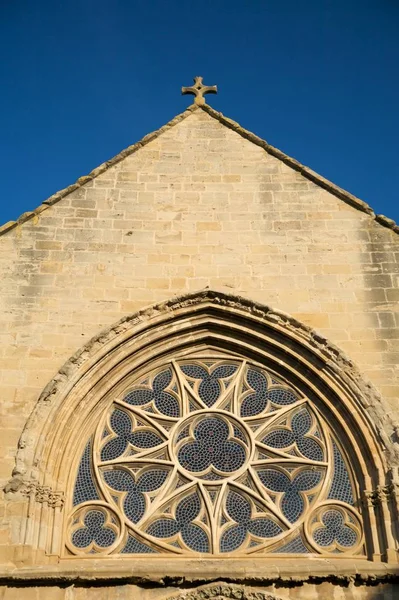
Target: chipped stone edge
{"type": "Point", "coordinates": [231, 124]}
{"type": "Point", "coordinates": [332, 572]}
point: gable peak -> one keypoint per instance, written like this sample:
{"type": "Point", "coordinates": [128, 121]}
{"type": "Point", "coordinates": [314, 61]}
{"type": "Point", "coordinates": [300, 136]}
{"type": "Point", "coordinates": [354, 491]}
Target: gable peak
{"type": "Point", "coordinates": [201, 105]}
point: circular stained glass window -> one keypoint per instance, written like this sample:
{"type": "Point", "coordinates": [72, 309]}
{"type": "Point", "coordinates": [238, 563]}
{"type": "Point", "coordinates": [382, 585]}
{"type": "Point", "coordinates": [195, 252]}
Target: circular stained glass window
{"type": "Point", "coordinates": [213, 456]}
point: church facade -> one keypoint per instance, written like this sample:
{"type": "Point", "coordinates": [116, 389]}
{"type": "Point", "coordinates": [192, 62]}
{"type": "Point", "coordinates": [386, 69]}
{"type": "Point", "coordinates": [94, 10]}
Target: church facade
{"type": "Point", "coordinates": [200, 379]}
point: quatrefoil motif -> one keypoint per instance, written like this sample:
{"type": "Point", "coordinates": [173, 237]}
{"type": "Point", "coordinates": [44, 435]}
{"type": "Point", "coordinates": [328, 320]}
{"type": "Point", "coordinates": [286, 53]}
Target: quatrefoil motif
{"type": "Point", "coordinates": [94, 530]}
{"type": "Point", "coordinates": [187, 510]}
{"type": "Point", "coordinates": [292, 504]}
{"type": "Point", "coordinates": [334, 530]}
{"type": "Point", "coordinates": [122, 426]}
{"type": "Point", "coordinates": [209, 388]}
{"type": "Point", "coordinates": [301, 423]}
{"type": "Point", "coordinates": [239, 509]}
{"type": "Point", "coordinates": [134, 503]}
{"type": "Point", "coordinates": [212, 447]}
{"type": "Point", "coordinates": [164, 402]}
{"type": "Point", "coordinates": [256, 402]}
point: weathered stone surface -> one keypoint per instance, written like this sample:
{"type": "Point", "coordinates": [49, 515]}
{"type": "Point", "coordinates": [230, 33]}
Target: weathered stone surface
{"type": "Point", "coordinates": [200, 204]}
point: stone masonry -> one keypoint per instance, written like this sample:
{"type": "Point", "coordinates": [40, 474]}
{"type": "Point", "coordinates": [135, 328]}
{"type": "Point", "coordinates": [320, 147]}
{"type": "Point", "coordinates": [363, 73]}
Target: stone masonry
{"type": "Point", "coordinates": [198, 206]}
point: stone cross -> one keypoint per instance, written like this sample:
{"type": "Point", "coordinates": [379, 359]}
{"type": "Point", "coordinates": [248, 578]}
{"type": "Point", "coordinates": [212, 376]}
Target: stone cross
{"type": "Point", "coordinates": [199, 90]}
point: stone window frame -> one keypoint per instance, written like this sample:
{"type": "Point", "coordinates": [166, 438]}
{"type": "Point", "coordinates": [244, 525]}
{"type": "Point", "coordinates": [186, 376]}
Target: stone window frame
{"type": "Point", "coordinates": [74, 400]}
{"type": "Point", "coordinates": [95, 497]}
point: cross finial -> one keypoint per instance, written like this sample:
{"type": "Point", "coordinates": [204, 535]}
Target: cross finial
{"type": "Point", "coordinates": [199, 90]}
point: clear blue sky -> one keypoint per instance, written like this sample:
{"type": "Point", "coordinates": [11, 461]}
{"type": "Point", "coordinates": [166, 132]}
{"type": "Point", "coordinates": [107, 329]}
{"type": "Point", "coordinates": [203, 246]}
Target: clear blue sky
{"type": "Point", "coordinates": [82, 79]}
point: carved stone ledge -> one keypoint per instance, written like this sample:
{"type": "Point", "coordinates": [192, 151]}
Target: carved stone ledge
{"type": "Point", "coordinates": [248, 575]}
{"type": "Point", "coordinates": [370, 498]}
{"type": "Point", "coordinates": [382, 494]}
{"type": "Point", "coordinates": [44, 494]}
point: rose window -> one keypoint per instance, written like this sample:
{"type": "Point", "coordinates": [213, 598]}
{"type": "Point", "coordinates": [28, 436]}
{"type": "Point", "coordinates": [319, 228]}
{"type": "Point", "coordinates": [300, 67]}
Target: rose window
{"type": "Point", "coordinates": [210, 456]}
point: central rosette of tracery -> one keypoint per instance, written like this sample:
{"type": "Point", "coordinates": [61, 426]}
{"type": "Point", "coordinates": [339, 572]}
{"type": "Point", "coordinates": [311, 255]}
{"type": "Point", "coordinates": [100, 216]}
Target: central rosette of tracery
{"type": "Point", "coordinates": [211, 445]}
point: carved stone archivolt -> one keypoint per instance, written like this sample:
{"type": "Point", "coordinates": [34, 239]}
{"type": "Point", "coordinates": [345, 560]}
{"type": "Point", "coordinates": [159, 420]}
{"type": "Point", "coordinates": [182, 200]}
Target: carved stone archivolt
{"type": "Point", "coordinates": [82, 394]}
{"type": "Point", "coordinates": [223, 591]}
{"type": "Point", "coordinates": [251, 315]}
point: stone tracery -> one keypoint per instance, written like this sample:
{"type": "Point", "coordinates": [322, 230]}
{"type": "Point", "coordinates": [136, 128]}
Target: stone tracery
{"type": "Point", "coordinates": [212, 455]}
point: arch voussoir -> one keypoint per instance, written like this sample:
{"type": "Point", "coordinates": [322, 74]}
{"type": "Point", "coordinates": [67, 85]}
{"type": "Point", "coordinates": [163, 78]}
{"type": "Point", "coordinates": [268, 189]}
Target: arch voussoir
{"type": "Point", "coordinates": [77, 395]}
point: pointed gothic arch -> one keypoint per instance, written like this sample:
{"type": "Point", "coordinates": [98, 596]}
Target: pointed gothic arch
{"type": "Point", "coordinates": [75, 400]}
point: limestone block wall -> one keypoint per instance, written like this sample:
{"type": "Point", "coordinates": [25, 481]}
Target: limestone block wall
{"type": "Point", "coordinates": [197, 206]}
